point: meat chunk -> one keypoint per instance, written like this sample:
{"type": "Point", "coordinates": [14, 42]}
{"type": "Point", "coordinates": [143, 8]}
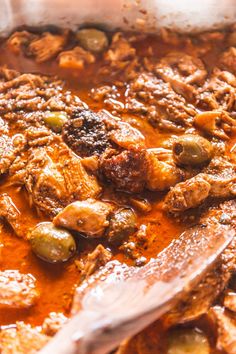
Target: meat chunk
{"type": "Point", "coordinates": [218, 92]}
{"type": "Point", "coordinates": [46, 46]}
{"type": "Point", "coordinates": [89, 217]}
{"type": "Point", "coordinates": [228, 60]}
{"type": "Point", "coordinates": [54, 178]}
{"type": "Point", "coordinates": [188, 194]}
{"type": "Point", "coordinates": [127, 170]}
{"type": "Point", "coordinates": [17, 290]}
{"type": "Point", "coordinates": [164, 107]}
{"type": "Point", "coordinates": [24, 99]}
{"type": "Point", "coordinates": [19, 41]}
{"type": "Point", "coordinates": [216, 123]}
{"type": "Point", "coordinates": [95, 260]}
{"type": "Point", "coordinates": [10, 213]}
{"type": "Point", "coordinates": [89, 133]}
{"type": "Point", "coordinates": [22, 339]}
{"type": "Point", "coordinates": [181, 71]}
{"type": "Point", "coordinates": [217, 181]}
{"type": "Point", "coordinates": [86, 134]}
{"type": "Point", "coordinates": [225, 326]}
{"type": "Point", "coordinates": [10, 147]}
{"type": "Point", "coordinates": [53, 323]}
{"type": "Point", "coordinates": [119, 50]}
{"type": "Point", "coordinates": [75, 58]}
{"type": "Point", "coordinates": [161, 175]}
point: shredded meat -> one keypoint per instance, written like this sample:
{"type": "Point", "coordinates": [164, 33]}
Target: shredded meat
{"type": "Point", "coordinates": [25, 97]}
{"type": "Point", "coordinates": [53, 184]}
{"type": "Point", "coordinates": [17, 290]}
{"type": "Point", "coordinates": [95, 260]}
{"type": "Point", "coordinates": [10, 148]}
{"type": "Point", "coordinates": [120, 50]}
{"type": "Point", "coordinates": [230, 300]}
{"type": "Point", "coordinates": [19, 41]}
{"type": "Point", "coordinates": [164, 107]}
{"type": "Point", "coordinates": [182, 71]}
{"type": "Point", "coordinates": [218, 92]}
{"type": "Point", "coordinates": [225, 326]}
{"type": "Point", "coordinates": [10, 213]}
{"type": "Point", "coordinates": [161, 175]}
{"type": "Point", "coordinates": [228, 60]}
{"type": "Point", "coordinates": [47, 46]}
{"type": "Point", "coordinates": [75, 58]}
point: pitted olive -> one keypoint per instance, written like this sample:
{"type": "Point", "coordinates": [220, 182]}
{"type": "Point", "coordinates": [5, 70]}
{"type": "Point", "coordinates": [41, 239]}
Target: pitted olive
{"type": "Point", "coordinates": [92, 40]}
{"type": "Point", "coordinates": [52, 244]}
{"type": "Point", "coordinates": [192, 150]}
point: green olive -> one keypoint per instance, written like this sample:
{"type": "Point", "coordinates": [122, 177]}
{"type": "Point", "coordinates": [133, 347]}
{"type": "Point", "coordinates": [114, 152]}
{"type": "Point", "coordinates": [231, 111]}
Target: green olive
{"type": "Point", "coordinates": [52, 244]}
{"type": "Point", "coordinates": [192, 150]}
{"type": "Point", "coordinates": [122, 224]}
{"type": "Point", "coordinates": [55, 120]}
{"type": "Point", "coordinates": [92, 40]}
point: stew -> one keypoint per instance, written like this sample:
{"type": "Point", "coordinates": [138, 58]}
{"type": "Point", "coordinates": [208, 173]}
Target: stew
{"type": "Point", "coordinates": [112, 145]}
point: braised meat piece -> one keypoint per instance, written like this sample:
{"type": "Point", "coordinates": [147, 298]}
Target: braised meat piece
{"type": "Point", "coordinates": [10, 148]}
{"type": "Point", "coordinates": [164, 107]}
{"type": "Point", "coordinates": [228, 60]}
{"type": "Point", "coordinates": [181, 71]}
{"type": "Point", "coordinates": [95, 260]}
{"type": "Point", "coordinates": [54, 181]}
{"type": "Point", "coordinates": [17, 290]}
{"type": "Point", "coordinates": [161, 175]}
{"type": "Point", "coordinates": [218, 92]}
{"type": "Point", "coordinates": [75, 58]}
{"type": "Point", "coordinates": [86, 134]}
{"type": "Point", "coordinates": [216, 123]}
{"type": "Point", "coordinates": [188, 194]}
{"type": "Point", "coordinates": [19, 41]}
{"type": "Point", "coordinates": [46, 46]}
{"type": "Point", "coordinates": [119, 50]}
{"type": "Point", "coordinates": [218, 180]}
{"type": "Point", "coordinates": [89, 217]}
{"type": "Point", "coordinates": [127, 170]}
{"type": "Point", "coordinates": [10, 213]}
{"type": "Point", "coordinates": [225, 326]}
{"type": "Point", "coordinates": [25, 98]}
{"type": "Point", "coordinates": [22, 339]}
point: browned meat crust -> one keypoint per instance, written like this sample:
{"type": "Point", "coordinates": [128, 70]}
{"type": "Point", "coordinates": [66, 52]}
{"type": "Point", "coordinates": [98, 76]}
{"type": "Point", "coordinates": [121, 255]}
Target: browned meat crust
{"type": "Point", "coordinates": [127, 170]}
{"type": "Point", "coordinates": [86, 134]}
